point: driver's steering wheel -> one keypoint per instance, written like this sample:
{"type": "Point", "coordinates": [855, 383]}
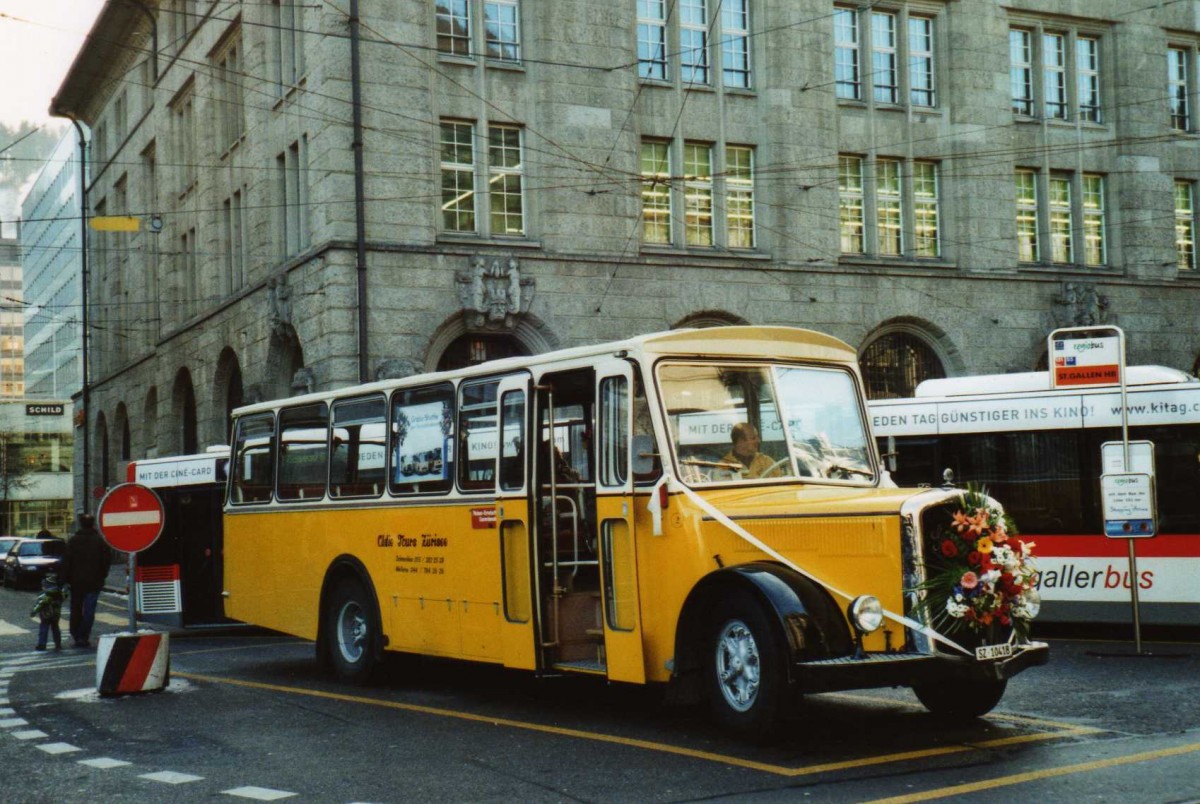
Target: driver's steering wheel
{"type": "Point", "coordinates": [767, 472]}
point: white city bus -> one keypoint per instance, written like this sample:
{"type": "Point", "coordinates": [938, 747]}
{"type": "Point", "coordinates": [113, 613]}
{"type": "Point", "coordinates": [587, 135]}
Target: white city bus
{"type": "Point", "coordinates": [1038, 450]}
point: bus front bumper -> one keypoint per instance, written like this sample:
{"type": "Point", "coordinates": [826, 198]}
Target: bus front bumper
{"type": "Point", "coordinates": [911, 669]}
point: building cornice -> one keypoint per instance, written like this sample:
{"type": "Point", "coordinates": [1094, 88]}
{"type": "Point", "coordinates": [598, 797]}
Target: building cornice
{"type": "Point", "coordinates": [85, 89]}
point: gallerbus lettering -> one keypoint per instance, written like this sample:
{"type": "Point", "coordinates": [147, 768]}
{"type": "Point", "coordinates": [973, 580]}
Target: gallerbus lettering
{"type": "Point", "coordinates": [589, 511]}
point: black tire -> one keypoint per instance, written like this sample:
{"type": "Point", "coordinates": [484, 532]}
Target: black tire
{"type": "Point", "coordinates": [745, 669]}
{"type": "Point", "coordinates": [961, 699]}
{"type": "Point", "coordinates": [352, 632]}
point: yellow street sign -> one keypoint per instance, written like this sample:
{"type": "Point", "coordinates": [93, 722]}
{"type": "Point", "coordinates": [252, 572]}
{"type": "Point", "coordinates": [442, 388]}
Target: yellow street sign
{"type": "Point", "coordinates": [115, 223]}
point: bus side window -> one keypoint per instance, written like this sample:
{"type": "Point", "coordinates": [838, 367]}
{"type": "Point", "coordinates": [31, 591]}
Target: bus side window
{"type": "Point", "coordinates": [422, 433]}
{"type": "Point", "coordinates": [614, 435]}
{"type": "Point", "coordinates": [253, 459]}
{"type": "Point", "coordinates": [646, 454]}
{"type": "Point", "coordinates": [478, 436]}
{"type": "Point", "coordinates": [359, 449]}
{"type": "Point", "coordinates": [303, 452]}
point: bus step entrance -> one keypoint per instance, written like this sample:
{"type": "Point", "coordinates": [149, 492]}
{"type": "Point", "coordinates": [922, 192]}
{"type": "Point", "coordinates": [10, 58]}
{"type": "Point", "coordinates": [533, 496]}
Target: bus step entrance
{"type": "Point", "coordinates": [580, 633]}
{"type": "Point", "coordinates": [583, 666]}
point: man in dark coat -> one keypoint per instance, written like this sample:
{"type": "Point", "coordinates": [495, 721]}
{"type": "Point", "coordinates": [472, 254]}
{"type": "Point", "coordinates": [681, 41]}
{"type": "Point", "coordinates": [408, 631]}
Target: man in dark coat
{"type": "Point", "coordinates": [85, 568]}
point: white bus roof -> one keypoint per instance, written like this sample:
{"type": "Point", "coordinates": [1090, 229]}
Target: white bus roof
{"type": "Point", "coordinates": [1025, 382]}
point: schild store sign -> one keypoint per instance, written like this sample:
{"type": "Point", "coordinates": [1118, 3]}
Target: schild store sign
{"type": "Point", "coordinates": [56, 409]}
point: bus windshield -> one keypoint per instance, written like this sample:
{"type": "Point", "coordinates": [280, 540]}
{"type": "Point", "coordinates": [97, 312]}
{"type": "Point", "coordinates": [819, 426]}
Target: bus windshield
{"type": "Point", "coordinates": [738, 423]}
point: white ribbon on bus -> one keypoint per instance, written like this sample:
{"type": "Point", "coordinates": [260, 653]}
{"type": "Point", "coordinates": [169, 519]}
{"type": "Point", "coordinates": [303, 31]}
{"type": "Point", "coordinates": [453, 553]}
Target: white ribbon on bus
{"type": "Point", "coordinates": [719, 516]}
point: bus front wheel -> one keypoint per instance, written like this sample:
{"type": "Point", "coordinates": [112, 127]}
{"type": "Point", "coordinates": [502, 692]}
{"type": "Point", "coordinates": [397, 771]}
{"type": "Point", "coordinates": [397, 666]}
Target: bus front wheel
{"type": "Point", "coordinates": [353, 631]}
{"type": "Point", "coordinates": [961, 700]}
{"type": "Point", "coordinates": [745, 669]}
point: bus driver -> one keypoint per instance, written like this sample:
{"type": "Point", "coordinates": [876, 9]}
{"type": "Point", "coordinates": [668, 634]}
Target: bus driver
{"type": "Point", "coordinates": [745, 452]}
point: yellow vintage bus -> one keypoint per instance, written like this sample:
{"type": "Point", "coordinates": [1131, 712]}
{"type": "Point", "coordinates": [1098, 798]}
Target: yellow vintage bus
{"type": "Point", "coordinates": [587, 511]}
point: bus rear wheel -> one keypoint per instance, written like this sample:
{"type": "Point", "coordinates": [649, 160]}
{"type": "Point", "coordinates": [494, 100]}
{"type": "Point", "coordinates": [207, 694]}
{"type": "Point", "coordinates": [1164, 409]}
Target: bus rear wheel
{"type": "Point", "coordinates": [352, 631]}
{"type": "Point", "coordinates": [961, 700]}
{"type": "Point", "coordinates": [745, 670]}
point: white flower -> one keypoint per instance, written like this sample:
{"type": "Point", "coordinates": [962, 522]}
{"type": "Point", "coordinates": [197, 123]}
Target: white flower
{"type": "Point", "coordinates": [954, 608]}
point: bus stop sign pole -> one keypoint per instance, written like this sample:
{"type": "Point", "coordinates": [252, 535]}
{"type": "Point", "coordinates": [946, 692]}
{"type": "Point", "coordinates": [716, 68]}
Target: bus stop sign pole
{"type": "Point", "coordinates": [1095, 356]}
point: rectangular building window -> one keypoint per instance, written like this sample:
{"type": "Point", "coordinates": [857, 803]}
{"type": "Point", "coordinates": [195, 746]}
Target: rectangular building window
{"type": "Point", "coordinates": [697, 194]}
{"type": "Point", "coordinates": [453, 27]}
{"type": "Point", "coordinates": [656, 192]}
{"type": "Point", "coordinates": [1185, 225]}
{"type": "Point", "coordinates": [1065, 65]}
{"type": "Point", "coordinates": [233, 224]}
{"type": "Point", "coordinates": [506, 181]}
{"type": "Point", "coordinates": [693, 41]}
{"type": "Point", "coordinates": [287, 43]}
{"type": "Point", "coordinates": [1020, 71]}
{"type": "Point", "coordinates": [1087, 78]}
{"type": "Point", "coordinates": [920, 61]}
{"type": "Point", "coordinates": [846, 54]}
{"type": "Point", "coordinates": [1027, 216]}
{"type": "Point", "coordinates": [1178, 88]}
{"type": "Point", "coordinates": [883, 57]}
{"type": "Point", "coordinates": [735, 43]}
{"type": "Point", "coordinates": [458, 176]}
{"type": "Point", "coordinates": [652, 39]}
{"type": "Point", "coordinates": [1061, 224]}
{"type": "Point", "coordinates": [739, 196]}
{"type": "Point", "coordinates": [187, 266]}
{"type": "Point", "coordinates": [502, 30]}
{"type": "Point", "coordinates": [292, 181]}
{"type": "Point", "coordinates": [183, 136]}
{"type": "Point", "coordinates": [926, 241]}
{"type": "Point", "coordinates": [1094, 252]}
{"type": "Point", "coordinates": [888, 223]}
{"type": "Point", "coordinates": [227, 68]}
{"type": "Point", "coordinates": [850, 204]}
{"type": "Point", "coordinates": [1054, 75]}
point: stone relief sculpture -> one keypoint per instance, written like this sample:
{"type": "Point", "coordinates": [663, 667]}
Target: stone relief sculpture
{"type": "Point", "coordinates": [395, 368]}
{"type": "Point", "coordinates": [279, 298]}
{"type": "Point", "coordinates": [304, 381]}
{"type": "Point", "coordinates": [493, 294]}
{"type": "Point", "coordinates": [1079, 305]}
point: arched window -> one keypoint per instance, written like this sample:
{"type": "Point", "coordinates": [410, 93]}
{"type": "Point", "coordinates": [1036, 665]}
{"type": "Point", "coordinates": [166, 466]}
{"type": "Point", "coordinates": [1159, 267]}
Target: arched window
{"type": "Point", "coordinates": [472, 349]}
{"type": "Point", "coordinates": [893, 364]}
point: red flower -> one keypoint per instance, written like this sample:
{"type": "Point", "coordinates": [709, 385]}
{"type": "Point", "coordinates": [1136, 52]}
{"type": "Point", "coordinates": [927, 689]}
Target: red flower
{"type": "Point", "coordinates": [974, 558]}
{"type": "Point", "coordinates": [949, 550]}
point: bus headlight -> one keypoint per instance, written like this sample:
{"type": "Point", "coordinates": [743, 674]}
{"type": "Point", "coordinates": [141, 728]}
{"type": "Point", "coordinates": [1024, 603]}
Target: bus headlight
{"type": "Point", "coordinates": [866, 613]}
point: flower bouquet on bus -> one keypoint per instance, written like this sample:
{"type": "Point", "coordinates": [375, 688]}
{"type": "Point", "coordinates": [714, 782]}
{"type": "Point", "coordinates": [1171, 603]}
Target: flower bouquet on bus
{"type": "Point", "coordinates": [980, 587]}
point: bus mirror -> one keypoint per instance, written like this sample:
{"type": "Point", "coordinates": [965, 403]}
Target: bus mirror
{"type": "Point", "coordinates": [644, 455]}
{"type": "Point", "coordinates": [889, 457]}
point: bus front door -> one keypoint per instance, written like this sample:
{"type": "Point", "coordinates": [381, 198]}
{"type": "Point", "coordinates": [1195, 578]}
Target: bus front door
{"type": "Point", "coordinates": [513, 522]}
{"type": "Point", "coordinates": [617, 545]}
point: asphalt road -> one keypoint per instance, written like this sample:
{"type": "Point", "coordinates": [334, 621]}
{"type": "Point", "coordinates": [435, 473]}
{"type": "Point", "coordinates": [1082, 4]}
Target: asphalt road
{"type": "Point", "coordinates": [248, 714]}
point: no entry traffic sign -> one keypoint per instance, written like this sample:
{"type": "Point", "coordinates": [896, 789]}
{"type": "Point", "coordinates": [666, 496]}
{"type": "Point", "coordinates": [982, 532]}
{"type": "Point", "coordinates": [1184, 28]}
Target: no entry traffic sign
{"type": "Point", "coordinates": [130, 517]}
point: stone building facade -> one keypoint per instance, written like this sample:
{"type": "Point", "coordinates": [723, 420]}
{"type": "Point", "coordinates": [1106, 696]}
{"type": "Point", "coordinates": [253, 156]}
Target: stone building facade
{"type": "Point", "coordinates": [938, 182]}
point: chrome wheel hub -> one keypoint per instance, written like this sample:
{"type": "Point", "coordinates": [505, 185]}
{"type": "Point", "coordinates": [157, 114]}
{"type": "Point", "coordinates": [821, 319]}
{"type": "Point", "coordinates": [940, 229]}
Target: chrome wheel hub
{"type": "Point", "coordinates": [738, 665]}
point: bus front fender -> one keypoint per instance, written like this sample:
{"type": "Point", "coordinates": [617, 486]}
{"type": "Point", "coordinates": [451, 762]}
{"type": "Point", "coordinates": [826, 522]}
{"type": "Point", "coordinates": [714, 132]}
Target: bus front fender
{"type": "Point", "coordinates": [809, 621]}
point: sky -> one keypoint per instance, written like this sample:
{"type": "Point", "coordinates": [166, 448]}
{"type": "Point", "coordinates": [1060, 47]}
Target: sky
{"type": "Point", "coordinates": [38, 42]}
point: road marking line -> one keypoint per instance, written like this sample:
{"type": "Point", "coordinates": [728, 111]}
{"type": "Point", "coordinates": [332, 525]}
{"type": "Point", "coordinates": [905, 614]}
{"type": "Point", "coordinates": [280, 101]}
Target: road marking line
{"type": "Point", "coordinates": [9, 629]}
{"type": "Point", "coordinates": [5, 710]}
{"type": "Point", "coordinates": [13, 721]}
{"type": "Point", "coordinates": [31, 734]}
{"type": "Point", "coordinates": [104, 763]}
{"type": "Point", "coordinates": [59, 748]}
{"type": "Point", "coordinates": [666, 748]}
{"type": "Point", "coordinates": [170, 777]}
{"type": "Point", "coordinates": [258, 793]}
{"type": "Point", "coordinates": [1047, 773]}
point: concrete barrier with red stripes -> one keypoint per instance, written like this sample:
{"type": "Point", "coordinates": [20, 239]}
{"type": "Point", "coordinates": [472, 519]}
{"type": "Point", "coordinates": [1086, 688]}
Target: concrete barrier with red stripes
{"type": "Point", "coordinates": [128, 662]}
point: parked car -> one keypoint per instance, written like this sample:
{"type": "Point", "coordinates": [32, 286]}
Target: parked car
{"type": "Point", "coordinates": [29, 560]}
{"type": "Point", "coordinates": [6, 544]}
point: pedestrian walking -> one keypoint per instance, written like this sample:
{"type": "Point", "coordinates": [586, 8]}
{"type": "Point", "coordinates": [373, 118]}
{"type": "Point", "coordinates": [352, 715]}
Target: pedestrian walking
{"type": "Point", "coordinates": [85, 570]}
{"type": "Point", "coordinates": [48, 608]}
